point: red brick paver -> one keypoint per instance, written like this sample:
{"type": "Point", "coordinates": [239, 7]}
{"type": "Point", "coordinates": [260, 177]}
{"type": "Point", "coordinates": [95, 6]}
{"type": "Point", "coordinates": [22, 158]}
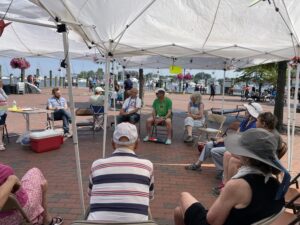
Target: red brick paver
{"type": "Point", "coordinates": [170, 176]}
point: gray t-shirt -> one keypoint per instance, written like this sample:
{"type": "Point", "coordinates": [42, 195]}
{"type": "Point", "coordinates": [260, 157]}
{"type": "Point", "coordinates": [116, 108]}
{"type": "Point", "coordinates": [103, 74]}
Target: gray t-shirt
{"type": "Point", "coordinates": [97, 100]}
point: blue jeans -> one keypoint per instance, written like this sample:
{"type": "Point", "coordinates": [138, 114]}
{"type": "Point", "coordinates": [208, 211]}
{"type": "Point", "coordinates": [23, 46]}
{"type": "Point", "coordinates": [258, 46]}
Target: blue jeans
{"type": "Point", "coordinates": [131, 118]}
{"type": "Point", "coordinates": [65, 116]}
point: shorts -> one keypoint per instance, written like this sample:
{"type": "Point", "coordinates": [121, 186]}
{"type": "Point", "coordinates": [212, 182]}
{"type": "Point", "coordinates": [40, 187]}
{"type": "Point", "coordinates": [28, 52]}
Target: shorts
{"type": "Point", "coordinates": [3, 119]}
{"type": "Point", "coordinates": [196, 215]}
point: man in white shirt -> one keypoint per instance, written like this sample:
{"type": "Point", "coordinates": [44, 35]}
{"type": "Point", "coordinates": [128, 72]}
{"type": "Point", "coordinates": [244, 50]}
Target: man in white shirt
{"type": "Point", "coordinates": [130, 108]}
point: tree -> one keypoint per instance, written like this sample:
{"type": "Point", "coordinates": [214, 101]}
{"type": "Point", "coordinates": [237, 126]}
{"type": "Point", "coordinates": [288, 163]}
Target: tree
{"type": "Point", "coordinates": [99, 73]}
{"type": "Point", "coordinates": [202, 76]}
{"type": "Point", "coordinates": [273, 73]}
{"type": "Point", "coordinates": [279, 100]}
{"type": "Point", "coordinates": [266, 73]}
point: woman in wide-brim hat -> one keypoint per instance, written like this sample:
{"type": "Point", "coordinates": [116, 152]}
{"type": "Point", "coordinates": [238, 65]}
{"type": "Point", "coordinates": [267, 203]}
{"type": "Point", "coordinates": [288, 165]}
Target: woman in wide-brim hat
{"type": "Point", "coordinates": [252, 194]}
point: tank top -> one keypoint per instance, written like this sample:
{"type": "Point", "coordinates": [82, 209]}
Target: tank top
{"type": "Point", "coordinates": [262, 205]}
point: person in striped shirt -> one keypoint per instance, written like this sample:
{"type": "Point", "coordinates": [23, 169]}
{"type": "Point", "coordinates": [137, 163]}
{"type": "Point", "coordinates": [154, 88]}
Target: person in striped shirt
{"type": "Point", "coordinates": [121, 186]}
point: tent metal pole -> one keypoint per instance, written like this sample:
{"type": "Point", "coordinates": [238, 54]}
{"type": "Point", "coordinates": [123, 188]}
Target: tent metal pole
{"type": "Point", "coordinates": [26, 21]}
{"type": "Point", "coordinates": [123, 79]}
{"type": "Point", "coordinates": [223, 90]}
{"type": "Point", "coordinates": [294, 110]}
{"type": "Point", "coordinates": [289, 117]}
{"type": "Point", "coordinates": [128, 25]}
{"type": "Point", "coordinates": [106, 98]}
{"type": "Point", "coordinates": [114, 90]}
{"type": "Point", "coordinates": [74, 128]}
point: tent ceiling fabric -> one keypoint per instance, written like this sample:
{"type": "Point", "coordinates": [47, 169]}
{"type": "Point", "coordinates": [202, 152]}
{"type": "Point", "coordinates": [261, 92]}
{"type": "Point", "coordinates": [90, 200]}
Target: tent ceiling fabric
{"type": "Point", "coordinates": [207, 32]}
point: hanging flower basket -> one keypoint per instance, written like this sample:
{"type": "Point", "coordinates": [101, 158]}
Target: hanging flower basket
{"type": "Point", "coordinates": [19, 63]}
{"type": "Point", "coordinates": [188, 76]}
{"type": "Point", "coordinates": [180, 76]}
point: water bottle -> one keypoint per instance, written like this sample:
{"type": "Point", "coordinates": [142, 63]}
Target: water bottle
{"type": "Point", "coordinates": [14, 104]}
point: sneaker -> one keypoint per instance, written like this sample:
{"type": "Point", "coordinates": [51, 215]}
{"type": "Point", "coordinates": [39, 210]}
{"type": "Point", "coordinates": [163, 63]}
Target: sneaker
{"type": "Point", "coordinates": [189, 139]}
{"type": "Point", "coordinates": [67, 135]}
{"type": "Point", "coordinates": [146, 138]}
{"type": "Point", "coordinates": [193, 166]}
{"type": "Point", "coordinates": [168, 142]}
{"type": "Point", "coordinates": [219, 175]}
{"type": "Point", "coordinates": [2, 148]}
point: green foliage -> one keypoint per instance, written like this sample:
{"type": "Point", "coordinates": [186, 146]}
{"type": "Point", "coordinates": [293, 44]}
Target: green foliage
{"type": "Point", "coordinates": [202, 76]}
{"type": "Point", "coordinates": [261, 74]}
{"type": "Point", "coordinates": [86, 74]}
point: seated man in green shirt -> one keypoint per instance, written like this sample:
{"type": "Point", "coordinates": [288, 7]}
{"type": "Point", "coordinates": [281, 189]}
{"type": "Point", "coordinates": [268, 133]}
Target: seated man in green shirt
{"type": "Point", "coordinates": [161, 113]}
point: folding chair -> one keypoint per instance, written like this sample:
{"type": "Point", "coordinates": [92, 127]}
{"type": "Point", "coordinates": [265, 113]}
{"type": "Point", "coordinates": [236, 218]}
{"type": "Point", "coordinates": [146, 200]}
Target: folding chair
{"type": "Point", "coordinates": [5, 133]}
{"type": "Point", "coordinates": [269, 220]}
{"type": "Point", "coordinates": [161, 129]}
{"type": "Point", "coordinates": [13, 204]}
{"type": "Point", "coordinates": [287, 217]}
{"type": "Point", "coordinates": [85, 222]}
{"type": "Point", "coordinates": [98, 114]}
{"type": "Point", "coordinates": [195, 131]}
{"type": "Point", "coordinates": [50, 119]}
{"type": "Point", "coordinates": [293, 194]}
{"type": "Point", "coordinates": [21, 88]}
{"type": "Point", "coordinates": [218, 120]}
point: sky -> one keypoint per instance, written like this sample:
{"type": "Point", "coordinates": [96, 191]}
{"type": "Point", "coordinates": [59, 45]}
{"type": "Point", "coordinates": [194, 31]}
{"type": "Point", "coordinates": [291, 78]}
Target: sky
{"type": "Point", "coordinates": [47, 64]}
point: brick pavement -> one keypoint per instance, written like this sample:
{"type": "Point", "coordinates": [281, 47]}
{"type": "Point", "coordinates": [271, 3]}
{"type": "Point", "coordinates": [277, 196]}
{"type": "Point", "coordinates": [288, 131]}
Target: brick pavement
{"type": "Point", "coordinates": [170, 177]}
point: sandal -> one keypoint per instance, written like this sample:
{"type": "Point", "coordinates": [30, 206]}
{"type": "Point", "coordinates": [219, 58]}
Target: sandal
{"type": "Point", "coordinates": [56, 221]}
{"type": "Point", "coordinates": [193, 167]}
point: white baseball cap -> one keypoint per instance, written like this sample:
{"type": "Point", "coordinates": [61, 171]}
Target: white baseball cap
{"type": "Point", "coordinates": [125, 130]}
{"type": "Point", "coordinates": [160, 89]}
{"type": "Point", "coordinates": [254, 109]}
{"type": "Point", "coordinates": [98, 89]}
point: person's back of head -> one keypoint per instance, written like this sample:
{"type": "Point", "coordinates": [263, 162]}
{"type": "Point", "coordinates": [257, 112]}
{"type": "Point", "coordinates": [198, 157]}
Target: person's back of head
{"type": "Point", "coordinates": [128, 76]}
{"type": "Point", "coordinates": [267, 120]}
{"type": "Point", "coordinates": [125, 136]}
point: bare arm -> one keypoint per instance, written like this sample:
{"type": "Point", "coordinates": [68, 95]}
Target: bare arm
{"type": "Point", "coordinates": [7, 188]}
{"type": "Point", "coordinates": [236, 193]}
{"type": "Point", "coordinates": [3, 94]}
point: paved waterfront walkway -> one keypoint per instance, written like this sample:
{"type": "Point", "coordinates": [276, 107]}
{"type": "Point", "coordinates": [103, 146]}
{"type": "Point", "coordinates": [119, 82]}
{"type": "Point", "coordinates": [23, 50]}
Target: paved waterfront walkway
{"type": "Point", "coordinates": [170, 176]}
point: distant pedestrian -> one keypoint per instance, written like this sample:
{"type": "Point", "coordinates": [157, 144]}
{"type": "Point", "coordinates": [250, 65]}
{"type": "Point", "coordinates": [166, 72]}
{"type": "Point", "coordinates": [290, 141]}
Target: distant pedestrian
{"type": "Point", "coordinates": [212, 92]}
{"type": "Point", "coordinates": [127, 85]}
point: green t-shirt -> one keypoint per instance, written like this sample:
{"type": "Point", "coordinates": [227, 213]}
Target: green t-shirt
{"type": "Point", "coordinates": [161, 107]}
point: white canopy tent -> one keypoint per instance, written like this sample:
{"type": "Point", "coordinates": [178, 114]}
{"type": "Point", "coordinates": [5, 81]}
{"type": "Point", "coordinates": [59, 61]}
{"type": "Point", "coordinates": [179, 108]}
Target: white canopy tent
{"type": "Point", "coordinates": [205, 34]}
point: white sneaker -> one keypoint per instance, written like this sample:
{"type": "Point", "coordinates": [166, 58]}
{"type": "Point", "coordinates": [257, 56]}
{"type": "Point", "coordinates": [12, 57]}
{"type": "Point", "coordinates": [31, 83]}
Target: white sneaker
{"type": "Point", "coordinates": [146, 138]}
{"type": "Point", "coordinates": [168, 142]}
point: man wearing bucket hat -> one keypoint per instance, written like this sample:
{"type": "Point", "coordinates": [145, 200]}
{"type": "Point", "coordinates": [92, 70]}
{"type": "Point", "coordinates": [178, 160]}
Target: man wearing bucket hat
{"type": "Point", "coordinates": [161, 114]}
{"type": "Point", "coordinates": [121, 186]}
{"type": "Point", "coordinates": [252, 194]}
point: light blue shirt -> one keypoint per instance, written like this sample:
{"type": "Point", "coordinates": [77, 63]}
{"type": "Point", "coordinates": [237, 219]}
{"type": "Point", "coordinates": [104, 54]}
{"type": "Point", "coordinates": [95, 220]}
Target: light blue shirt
{"type": "Point", "coordinates": [56, 102]}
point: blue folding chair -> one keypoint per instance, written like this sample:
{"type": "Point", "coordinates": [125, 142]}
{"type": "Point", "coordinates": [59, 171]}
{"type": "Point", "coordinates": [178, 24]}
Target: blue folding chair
{"type": "Point", "coordinates": [98, 117]}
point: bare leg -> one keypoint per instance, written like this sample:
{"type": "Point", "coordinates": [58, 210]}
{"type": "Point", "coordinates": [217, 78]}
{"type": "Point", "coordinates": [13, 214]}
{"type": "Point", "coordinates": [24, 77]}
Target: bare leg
{"type": "Point", "coordinates": [149, 123]}
{"type": "Point", "coordinates": [178, 216]}
{"type": "Point", "coordinates": [186, 200]}
{"type": "Point", "coordinates": [189, 130]}
{"type": "Point", "coordinates": [46, 216]}
{"type": "Point", "coordinates": [1, 138]}
{"type": "Point", "coordinates": [169, 127]}
{"type": "Point", "coordinates": [226, 159]}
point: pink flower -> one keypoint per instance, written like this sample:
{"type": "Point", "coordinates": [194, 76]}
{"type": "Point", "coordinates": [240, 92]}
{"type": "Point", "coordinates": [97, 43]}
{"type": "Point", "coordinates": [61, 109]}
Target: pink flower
{"type": "Point", "coordinates": [188, 76]}
{"type": "Point", "coordinates": [19, 63]}
{"type": "Point", "coordinates": [180, 76]}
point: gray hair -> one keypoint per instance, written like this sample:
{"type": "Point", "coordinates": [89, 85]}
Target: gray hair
{"type": "Point", "coordinates": [197, 97]}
